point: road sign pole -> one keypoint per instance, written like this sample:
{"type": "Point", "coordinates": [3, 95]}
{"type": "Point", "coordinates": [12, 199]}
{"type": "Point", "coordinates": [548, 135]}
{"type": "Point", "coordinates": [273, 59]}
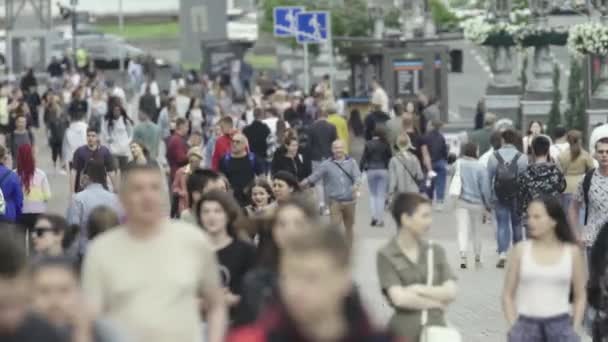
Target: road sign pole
{"type": "Point", "coordinates": [330, 40]}
{"type": "Point", "coordinates": [306, 70]}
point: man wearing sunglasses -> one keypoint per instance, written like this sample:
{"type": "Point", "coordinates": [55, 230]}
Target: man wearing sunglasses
{"type": "Point", "coordinates": [240, 167]}
{"type": "Point", "coordinates": [48, 235]}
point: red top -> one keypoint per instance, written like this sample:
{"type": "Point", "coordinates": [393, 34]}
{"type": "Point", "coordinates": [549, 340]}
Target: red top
{"type": "Point", "coordinates": [222, 146]}
{"type": "Point", "coordinates": [177, 153]}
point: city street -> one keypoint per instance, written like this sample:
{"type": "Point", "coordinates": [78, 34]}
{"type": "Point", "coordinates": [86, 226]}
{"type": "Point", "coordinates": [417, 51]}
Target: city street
{"type": "Point", "coordinates": [477, 310]}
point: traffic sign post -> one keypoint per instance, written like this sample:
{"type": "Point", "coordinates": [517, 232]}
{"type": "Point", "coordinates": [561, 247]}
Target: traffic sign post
{"type": "Point", "coordinates": [308, 28]}
{"type": "Point", "coordinates": [315, 28]}
{"type": "Point", "coordinates": [285, 21]}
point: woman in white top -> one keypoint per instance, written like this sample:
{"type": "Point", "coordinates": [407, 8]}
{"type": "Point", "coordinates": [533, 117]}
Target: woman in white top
{"type": "Point", "coordinates": [116, 132]}
{"type": "Point", "coordinates": [98, 107]}
{"type": "Point", "coordinates": [195, 115]}
{"type": "Point", "coordinates": [541, 275]}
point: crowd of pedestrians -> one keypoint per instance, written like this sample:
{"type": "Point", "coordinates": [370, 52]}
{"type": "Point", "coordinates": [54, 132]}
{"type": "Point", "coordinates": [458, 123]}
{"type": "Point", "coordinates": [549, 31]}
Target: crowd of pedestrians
{"type": "Point", "coordinates": [200, 214]}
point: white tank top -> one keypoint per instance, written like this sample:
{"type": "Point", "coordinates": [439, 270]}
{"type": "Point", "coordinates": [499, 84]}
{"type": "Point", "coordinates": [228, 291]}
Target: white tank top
{"type": "Point", "coordinates": [543, 291]}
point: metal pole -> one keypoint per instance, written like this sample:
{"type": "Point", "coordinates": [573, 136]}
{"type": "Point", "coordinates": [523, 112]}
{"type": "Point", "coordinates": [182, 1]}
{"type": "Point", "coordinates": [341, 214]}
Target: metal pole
{"type": "Point", "coordinates": [332, 70]}
{"type": "Point", "coordinates": [74, 30]}
{"type": "Point", "coordinates": [306, 72]}
{"type": "Point", "coordinates": [121, 27]}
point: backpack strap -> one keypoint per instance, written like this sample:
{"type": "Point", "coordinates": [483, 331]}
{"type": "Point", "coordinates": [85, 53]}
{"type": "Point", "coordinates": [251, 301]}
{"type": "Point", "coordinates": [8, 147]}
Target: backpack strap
{"type": "Point", "coordinates": [586, 187]}
{"type": "Point", "coordinates": [499, 158]}
{"type": "Point", "coordinates": [5, 176]}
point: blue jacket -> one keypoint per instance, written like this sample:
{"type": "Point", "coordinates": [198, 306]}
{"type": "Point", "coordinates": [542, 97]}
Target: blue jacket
{"type": "Point", "coordinates": [13, 194]}
{"type": "Point", "coordinates": [475, 184]}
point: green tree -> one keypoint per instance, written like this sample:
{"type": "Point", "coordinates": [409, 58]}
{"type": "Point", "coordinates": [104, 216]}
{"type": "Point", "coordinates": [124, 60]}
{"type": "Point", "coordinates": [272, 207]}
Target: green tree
{"type": "Point", "coordinates": [555, 116]}
{"type": "Point", "coordinates": [575, 114]}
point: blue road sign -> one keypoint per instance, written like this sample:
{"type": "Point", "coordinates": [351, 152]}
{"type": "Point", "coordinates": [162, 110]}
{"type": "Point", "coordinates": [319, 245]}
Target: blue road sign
{"type": "Point", "coordinates": [313, 27]}
{"type": "Point", "coordinates": [285, 20]}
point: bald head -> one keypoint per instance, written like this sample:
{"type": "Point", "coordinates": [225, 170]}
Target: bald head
{"type": "Point", "coordinates": [338, 148]}
{"type": "Point", "coordinates": [239, 143]}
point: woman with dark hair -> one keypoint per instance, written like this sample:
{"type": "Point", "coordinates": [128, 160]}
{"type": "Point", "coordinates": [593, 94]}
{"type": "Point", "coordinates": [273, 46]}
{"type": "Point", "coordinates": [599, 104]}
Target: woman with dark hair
{"type": "Point", "coordinates": [376, 157]}
{"type": "Point", "coordinates": [139, 153]}
{"type": "Point", "coordinates": [166, 118]}
{"type": "Point", "coordinates": [261, 198]}
{"type": "Point", "coordinates": [574, 163]}
{"type": "Point", "coordinates": [117, 131]}
{"type": "Point", "coordinates": [541, 275]}
{"type": "Point", "coordinates": [288, 158]}
{"type": "Point", "coordinates": [402, 266]}
{"type": "Point", "coordinates": [597, 287]}
{"type": "Point", "coordinates": [35, 185]}
{"type": "Point", "coordinates": [473, 198]}
{"type": "Point", "coordinates": [535, 128]}
{"type": "Point", "coordinates": [195, 115]}
{"type": "Point", "coordinates": [480, 113]}
{"type": "Point", "coordinates": [284, 185]}
{"type": "Point", "coordinates": [217, 213]}
{"type": "Point", "coordinates": [259, 285]}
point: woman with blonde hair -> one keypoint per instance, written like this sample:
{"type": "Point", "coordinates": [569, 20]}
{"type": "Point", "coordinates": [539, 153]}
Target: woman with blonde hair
{"type": "Point", "coordinates": [405, 172]}
{"type": "Point", "coordinates": [574, 163]}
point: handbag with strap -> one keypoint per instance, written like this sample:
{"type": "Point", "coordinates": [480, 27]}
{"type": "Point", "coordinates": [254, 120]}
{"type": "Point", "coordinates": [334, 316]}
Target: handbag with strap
{"type": "Point", "coordinates": [435, 333]}
{"type": "Point", "coordinates": [456, 183]}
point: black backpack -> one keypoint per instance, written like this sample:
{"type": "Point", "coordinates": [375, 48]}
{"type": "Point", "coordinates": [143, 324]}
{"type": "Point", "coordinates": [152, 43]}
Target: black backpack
{"type": "Point", "coordinates": [505, 182]}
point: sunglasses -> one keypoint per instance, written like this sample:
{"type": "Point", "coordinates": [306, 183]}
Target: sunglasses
{"type": "Point", "coordinates": [40, 231]}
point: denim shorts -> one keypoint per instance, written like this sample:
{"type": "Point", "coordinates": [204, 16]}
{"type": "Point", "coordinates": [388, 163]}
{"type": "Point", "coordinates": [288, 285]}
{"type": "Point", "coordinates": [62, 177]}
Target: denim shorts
{"type": "Point", "coordinates": [551, 329]}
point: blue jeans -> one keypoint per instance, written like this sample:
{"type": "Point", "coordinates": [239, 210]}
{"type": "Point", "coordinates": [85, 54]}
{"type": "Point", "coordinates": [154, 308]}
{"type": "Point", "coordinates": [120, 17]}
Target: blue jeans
{"type": "Point", "coordinates": [531, 329]}
{"type": "Point", "coordinates": [508, 226]}
{"type": "Point", "coordinates": [437, 189]}
{"type": "Point", "coordinates": [377, 181]}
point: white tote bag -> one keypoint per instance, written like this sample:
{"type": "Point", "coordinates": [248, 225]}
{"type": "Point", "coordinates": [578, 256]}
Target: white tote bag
{"type": "Point", "coordinates": [434, 333]}
{"type": "Point", "coordinates": [456, 183]}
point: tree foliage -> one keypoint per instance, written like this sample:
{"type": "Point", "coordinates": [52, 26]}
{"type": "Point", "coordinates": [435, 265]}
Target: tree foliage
{"type": "Point", "coordinates": [575, 114]}
{"type": "Point", "coordinates": [555, 115]}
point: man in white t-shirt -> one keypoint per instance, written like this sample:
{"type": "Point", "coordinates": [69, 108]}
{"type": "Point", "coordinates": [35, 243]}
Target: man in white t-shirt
{"type": "Point", "coordinates": [379, 96]}
{"type": "Point", "coordinates": [151, 274]}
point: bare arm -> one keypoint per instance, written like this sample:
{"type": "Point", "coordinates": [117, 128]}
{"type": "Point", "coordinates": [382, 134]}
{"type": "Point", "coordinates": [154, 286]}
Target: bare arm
{"type": "Point", "coordinates": [217, 315]}
{"type": "Point", "coordinates": [579, 282]}
{"type": "Point", "coordinates": [409, 298]}
{"type": "Point", "coordinates": [573, 214]}
{"type": "Point", "coordinates": [445, 293]}
{"type": "Point", "coordinates": [511, 281]}
{"type": "Point", "coordinates": [426, 158]}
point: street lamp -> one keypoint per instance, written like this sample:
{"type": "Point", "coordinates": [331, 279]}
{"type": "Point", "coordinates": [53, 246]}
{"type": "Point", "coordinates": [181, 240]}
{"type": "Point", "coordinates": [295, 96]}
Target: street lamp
{"type": "Point", "coordinates": [376, 13]}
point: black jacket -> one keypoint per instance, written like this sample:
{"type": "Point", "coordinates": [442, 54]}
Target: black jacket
{"type": "Point", "coordinates": [257, 133]}
{"type": "Point", "coordinates": [376, 155]}
{"type": "Point", "coordinates": [372, 120]}
{"type": "Point", "coordinates": [321, 135]}
{"type": "Point", "coordinates": [299, 166]}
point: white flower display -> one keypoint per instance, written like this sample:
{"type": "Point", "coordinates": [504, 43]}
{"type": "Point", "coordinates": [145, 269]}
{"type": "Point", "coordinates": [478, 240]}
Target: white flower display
{"type": "Point", "coordinates": [478, 29]}
{"type": "Point", "coordinates": [588, 38]}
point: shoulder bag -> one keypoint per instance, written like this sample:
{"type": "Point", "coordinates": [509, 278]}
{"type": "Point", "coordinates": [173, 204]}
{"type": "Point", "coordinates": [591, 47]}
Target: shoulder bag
{"type": "Point", "coordinates": [402, 161]}
{"type": "Point", "coordinates": [434, 333]}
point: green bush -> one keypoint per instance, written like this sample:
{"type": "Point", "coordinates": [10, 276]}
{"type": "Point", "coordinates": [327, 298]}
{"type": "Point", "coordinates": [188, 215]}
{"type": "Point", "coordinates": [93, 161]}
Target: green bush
{"type": "Point", "coordinates": [443, 17]}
